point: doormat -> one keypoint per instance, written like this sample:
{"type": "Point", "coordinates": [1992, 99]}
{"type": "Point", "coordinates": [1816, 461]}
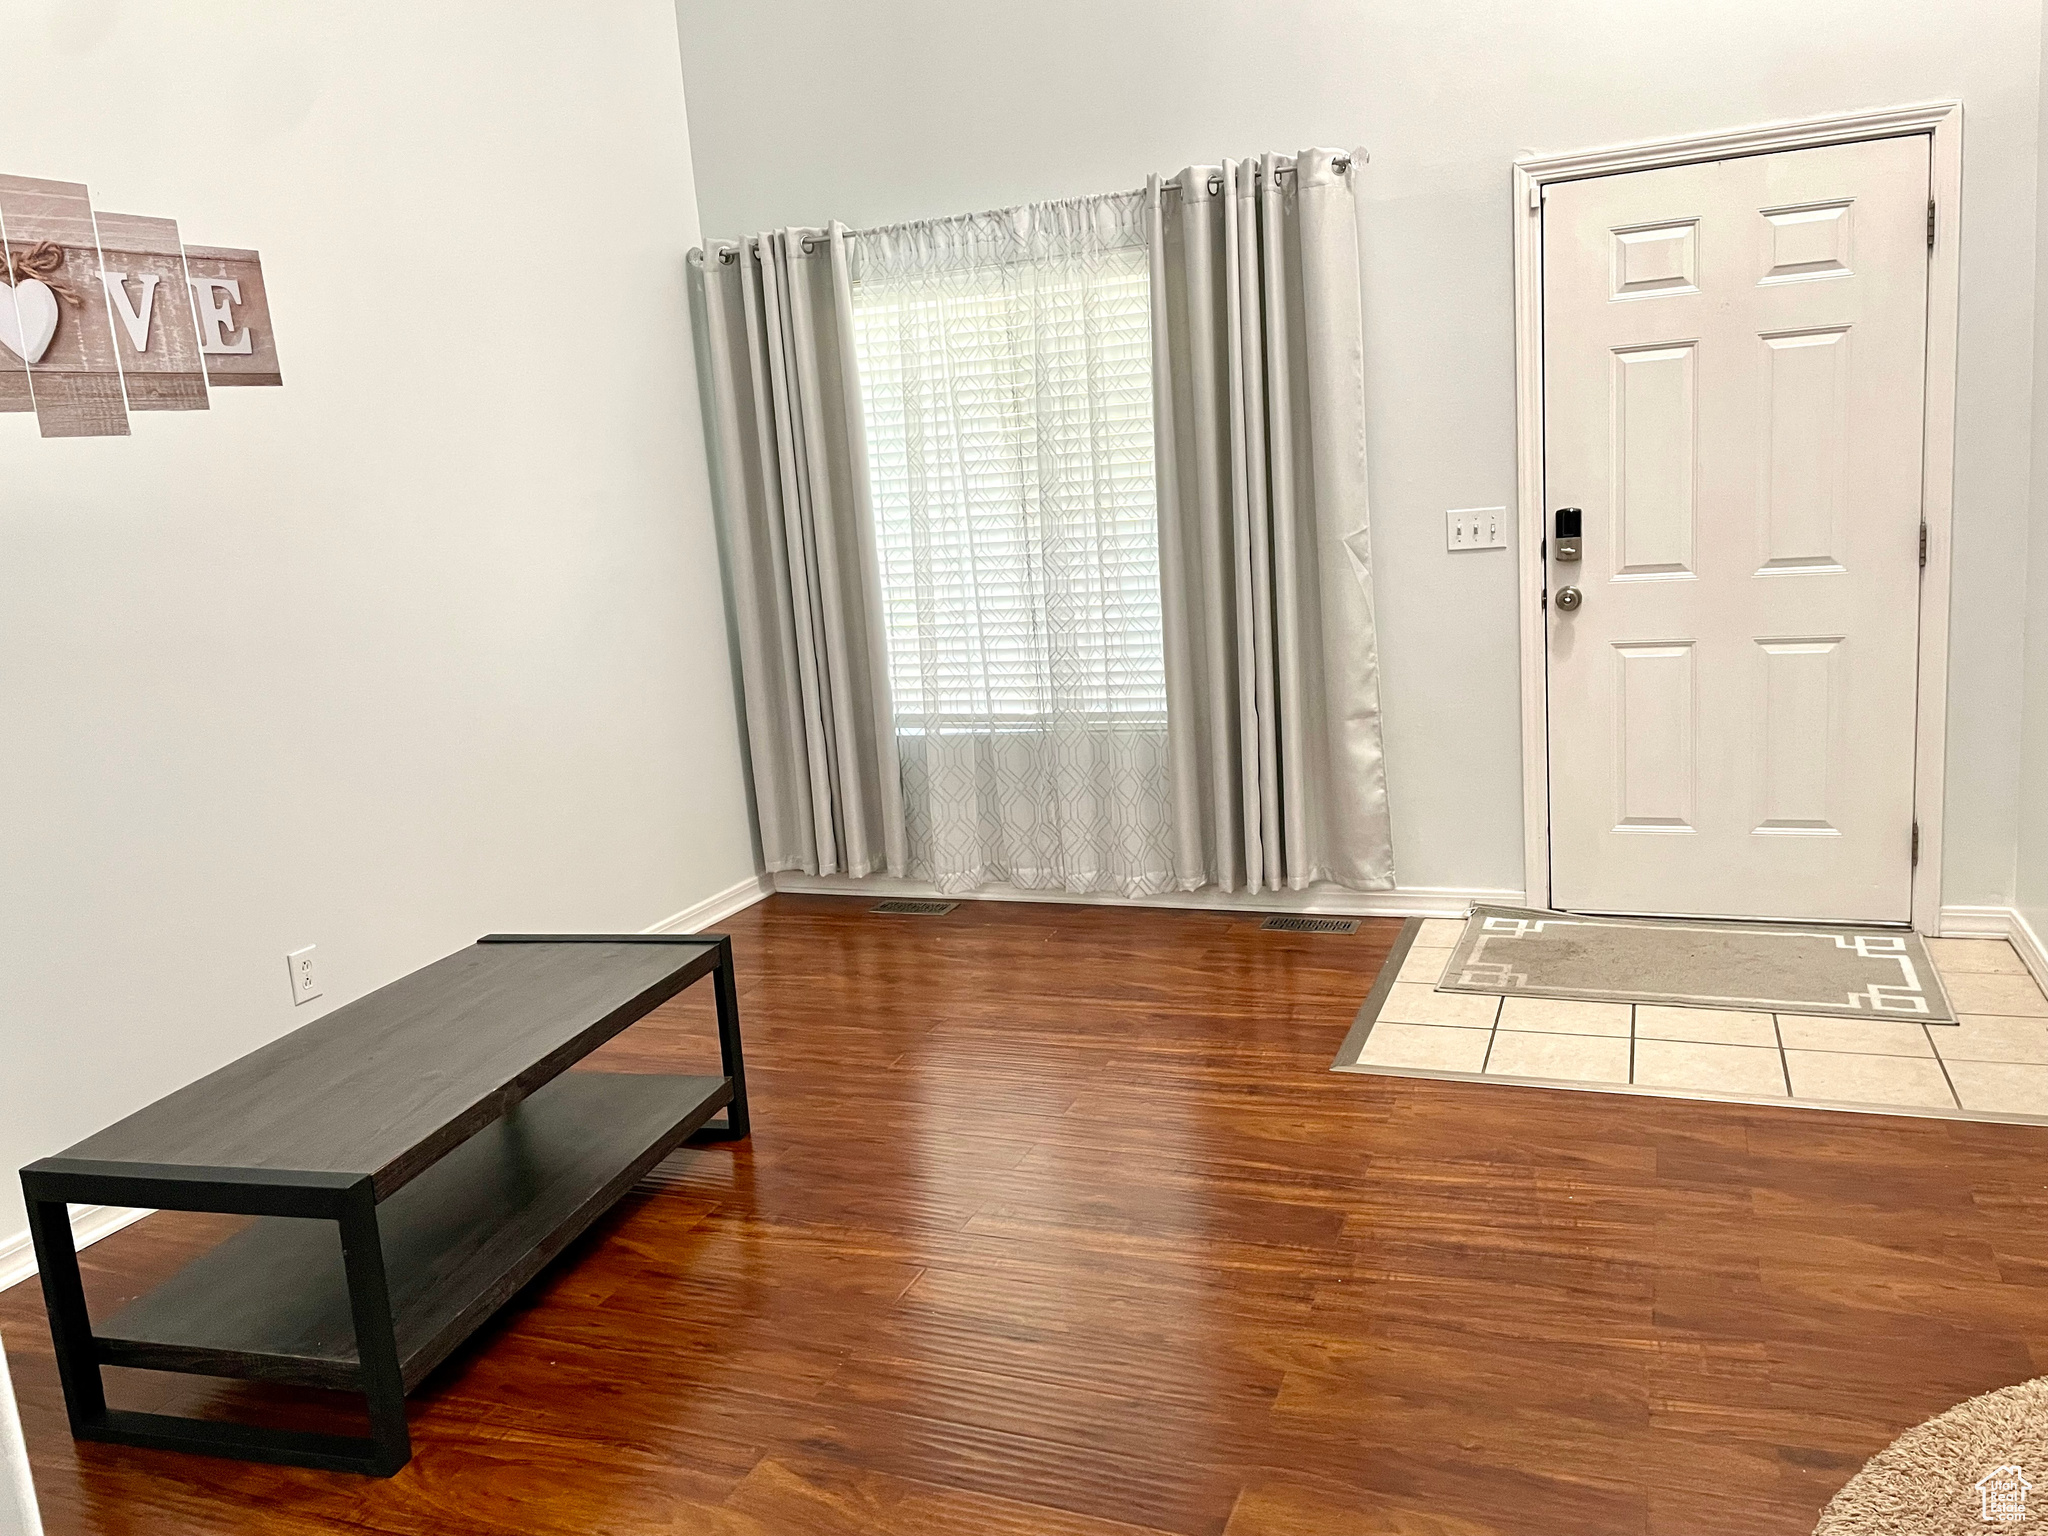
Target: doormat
{"type": "Point", "coordinates": [1688, 963]}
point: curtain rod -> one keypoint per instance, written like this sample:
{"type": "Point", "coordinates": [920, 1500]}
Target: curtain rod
{"type": "Point", "coordinates": [1339, 163]}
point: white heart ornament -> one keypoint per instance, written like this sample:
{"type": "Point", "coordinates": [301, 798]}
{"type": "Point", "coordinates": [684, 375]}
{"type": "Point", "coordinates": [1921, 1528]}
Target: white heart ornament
{"type": "Point", "coordinates": [27, 324]}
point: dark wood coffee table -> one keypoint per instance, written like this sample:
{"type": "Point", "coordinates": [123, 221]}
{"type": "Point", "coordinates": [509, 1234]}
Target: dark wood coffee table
{"type": "Point", "coordinates": [412, 1159]}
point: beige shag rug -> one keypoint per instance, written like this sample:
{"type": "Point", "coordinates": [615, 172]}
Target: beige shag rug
{"type": "Point", "coordinates": [1971, 1469]}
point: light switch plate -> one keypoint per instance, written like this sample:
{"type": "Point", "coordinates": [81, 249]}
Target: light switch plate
{"type": "Point", "coordinates": [305, 979]}
{"type": "Point", "coordinates": [1476, 528]}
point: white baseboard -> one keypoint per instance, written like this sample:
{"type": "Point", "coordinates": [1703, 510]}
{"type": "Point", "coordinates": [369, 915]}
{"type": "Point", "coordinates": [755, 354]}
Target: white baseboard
{"type": "Point", "coordinates": [1976, 922]}
{"type": "Point", "coordinates": [2007, 923]}
{"type": "Point", "coordinates": [1325, 900]}
{"type": "Point", "coordinates": [2032, 951]}
{"type": "Point", "coordinates": [89, 1223]}
{"type": "Point", "coordinates": [714, 909]}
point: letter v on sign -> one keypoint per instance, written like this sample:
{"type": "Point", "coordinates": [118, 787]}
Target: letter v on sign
{"type": "Point", "coordinates": [134, 320]}
{"type": "Point", "coordinates": [143, 267]}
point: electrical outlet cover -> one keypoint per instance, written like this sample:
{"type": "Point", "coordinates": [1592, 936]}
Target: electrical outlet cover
{"type": "Point", "coordinates": [305, 978]}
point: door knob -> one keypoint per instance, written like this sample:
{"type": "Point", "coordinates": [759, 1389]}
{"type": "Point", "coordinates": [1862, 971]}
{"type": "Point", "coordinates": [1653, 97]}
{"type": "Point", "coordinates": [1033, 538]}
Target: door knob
{"type": "Point", "coordinates": [1568, 598]}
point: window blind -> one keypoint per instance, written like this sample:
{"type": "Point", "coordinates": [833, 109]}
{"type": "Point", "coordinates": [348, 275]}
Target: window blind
{"type": "Point", "coordinates": [1009, 430]}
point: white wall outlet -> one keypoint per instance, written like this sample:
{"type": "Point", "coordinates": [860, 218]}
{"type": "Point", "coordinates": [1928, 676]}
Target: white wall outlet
{"type": "Point", "coordinates": [305, 979]}
{"type": "Point", "coordinates": [1476, 528]}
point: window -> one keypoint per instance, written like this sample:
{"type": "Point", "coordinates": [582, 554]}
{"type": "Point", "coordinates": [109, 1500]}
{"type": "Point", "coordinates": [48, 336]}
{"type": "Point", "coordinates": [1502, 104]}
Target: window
{"type": "Point", "coordinates": [1008, 397]}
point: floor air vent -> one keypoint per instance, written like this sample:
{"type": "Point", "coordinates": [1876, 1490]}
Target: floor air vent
{"type": "Point", "coordinates": [1310, 925]}
{"type": "Point", "coordinates": [914, 908]}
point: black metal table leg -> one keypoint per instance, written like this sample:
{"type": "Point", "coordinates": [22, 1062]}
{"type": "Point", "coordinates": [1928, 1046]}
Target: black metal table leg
{"type": "Point", "coordinates": [78, 1363]}
{"type": "Point", "coordinates": [726, 988]}
{"type": "Point", "coordinates": [376, 1340]}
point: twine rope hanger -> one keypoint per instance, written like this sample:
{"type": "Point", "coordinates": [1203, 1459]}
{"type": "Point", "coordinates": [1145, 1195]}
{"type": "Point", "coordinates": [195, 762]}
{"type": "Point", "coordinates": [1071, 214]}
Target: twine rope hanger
{"type": "Point", "coordinates": [44, 262]}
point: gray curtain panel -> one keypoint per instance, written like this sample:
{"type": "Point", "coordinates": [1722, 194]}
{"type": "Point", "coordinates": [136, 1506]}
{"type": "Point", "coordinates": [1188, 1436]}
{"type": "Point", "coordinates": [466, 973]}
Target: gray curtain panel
{"type": "Point", "coordinates": [1272, 667]}
{"type": "Point", "coordinates": [790, 454]}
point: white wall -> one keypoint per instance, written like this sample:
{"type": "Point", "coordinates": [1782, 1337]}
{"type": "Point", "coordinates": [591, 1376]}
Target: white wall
{"type": "Point", "coordinates": [18, 1513]}
{"type": "Point", "coordinates": [2031, 859]}
{"type": "Point", "coordinates": [803, 110]}
{"type": "Point", "coordinates": [425, 644]}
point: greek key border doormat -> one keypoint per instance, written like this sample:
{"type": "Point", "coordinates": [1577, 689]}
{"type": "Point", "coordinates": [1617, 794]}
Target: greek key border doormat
{"type": "Point", "coordinates": [1688, 963]}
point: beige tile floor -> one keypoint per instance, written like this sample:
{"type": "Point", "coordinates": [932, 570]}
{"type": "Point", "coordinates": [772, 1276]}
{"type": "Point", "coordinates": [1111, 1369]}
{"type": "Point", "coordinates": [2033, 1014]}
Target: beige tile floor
{"type": "Point", "coordinates": [1995, 1062]}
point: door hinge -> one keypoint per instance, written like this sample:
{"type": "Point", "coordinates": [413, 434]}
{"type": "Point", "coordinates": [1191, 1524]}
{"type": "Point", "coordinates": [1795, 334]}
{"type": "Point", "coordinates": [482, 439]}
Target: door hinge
{"type": "Point", "coordinates": [1923, 543]}
{"type": "Point", "coordinates": [1916, 845]}
{"type": "Point", "coordinates": [1930, 223]}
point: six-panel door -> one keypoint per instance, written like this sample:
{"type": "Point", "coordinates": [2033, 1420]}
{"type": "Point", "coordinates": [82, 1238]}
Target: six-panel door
{"type": "Point", "coordinates": [1733, 369]}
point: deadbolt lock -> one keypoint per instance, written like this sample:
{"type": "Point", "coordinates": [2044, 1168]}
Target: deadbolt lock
{"type": "Point", "coordinates": [1569, 598]}
{"type": "Point", "coordinates": [1568, 520]}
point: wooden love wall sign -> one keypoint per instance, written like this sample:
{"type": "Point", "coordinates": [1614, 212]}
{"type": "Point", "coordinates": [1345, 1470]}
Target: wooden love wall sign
{"type": "Point", "coordinates": [106, 313]}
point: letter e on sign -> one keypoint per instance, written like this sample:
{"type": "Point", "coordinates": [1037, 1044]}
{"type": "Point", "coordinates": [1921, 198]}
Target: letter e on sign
{"type": "Point", "coordinates": [234, 316]}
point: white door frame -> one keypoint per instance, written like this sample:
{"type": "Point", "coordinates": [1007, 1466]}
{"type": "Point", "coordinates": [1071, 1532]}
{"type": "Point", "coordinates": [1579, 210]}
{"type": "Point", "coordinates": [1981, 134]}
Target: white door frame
{"type": "Point", "coordinates": [1943, 120]}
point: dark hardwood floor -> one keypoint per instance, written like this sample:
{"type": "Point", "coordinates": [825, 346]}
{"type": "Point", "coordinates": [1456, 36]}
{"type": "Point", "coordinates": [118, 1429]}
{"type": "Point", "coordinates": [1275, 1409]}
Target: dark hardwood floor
{"type": "Point", "coordinates": [1055, 1221]}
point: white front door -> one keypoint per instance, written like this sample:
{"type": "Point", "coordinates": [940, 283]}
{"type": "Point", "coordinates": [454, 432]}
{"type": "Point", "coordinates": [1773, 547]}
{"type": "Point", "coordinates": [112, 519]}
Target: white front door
{"type": "Point", "coordinates": [1733, 359]}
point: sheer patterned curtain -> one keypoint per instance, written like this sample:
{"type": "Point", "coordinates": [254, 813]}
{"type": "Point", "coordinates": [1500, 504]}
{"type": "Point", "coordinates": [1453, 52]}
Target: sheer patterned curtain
{"type": "Point", "coordinates": [1005, 365]}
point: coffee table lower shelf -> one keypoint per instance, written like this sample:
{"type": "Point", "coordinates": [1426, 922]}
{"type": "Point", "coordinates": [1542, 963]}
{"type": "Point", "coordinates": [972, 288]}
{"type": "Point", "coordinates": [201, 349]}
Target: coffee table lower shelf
{"type": "Point", "coordinates": [271, 1303]}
